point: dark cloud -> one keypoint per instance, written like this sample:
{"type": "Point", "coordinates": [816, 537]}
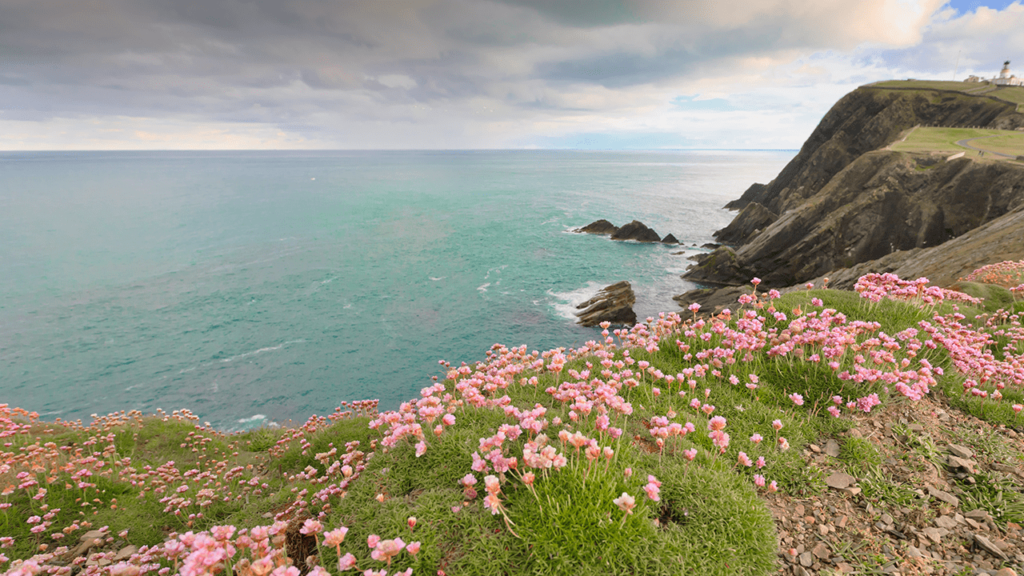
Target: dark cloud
{"type": "Point", "coordinates": [317, 66]}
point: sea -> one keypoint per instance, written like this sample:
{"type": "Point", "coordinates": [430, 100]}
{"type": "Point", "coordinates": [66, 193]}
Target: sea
{"type": "Point", "coordinates": [260, 288]}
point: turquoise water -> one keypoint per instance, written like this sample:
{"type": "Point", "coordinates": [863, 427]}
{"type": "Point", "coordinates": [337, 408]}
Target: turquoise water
{"type": "Point", "coordinates": [252, 287]}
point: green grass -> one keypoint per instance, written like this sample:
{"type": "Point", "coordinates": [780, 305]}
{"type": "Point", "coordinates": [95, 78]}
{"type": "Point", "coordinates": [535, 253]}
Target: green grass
{"type": "Point", "coordinates": [943, 141]}
{"type": "Point", "coordinates": [1011, 93]}
{"type": "Point", "coordinates": [928, 85]}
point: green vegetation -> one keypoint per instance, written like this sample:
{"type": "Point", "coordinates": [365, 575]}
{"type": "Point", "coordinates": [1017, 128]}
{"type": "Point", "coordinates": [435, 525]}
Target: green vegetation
{"type": "Point", "coordinates": [944, 141]}
{"type": "Point", "coordinates": [966, 87]}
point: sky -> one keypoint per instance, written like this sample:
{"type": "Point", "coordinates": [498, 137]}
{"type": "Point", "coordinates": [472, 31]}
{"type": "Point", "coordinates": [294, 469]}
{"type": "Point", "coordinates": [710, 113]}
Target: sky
{"type": "Point", "coordinates": [468, 74]}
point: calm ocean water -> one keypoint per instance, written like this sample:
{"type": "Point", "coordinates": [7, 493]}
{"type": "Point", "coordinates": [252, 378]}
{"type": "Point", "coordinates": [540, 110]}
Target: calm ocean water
{"type": "Point", "coordinates": [253, 287]}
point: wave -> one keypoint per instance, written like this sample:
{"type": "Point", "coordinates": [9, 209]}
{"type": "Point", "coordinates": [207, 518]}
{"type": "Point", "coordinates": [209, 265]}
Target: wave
{"type": "Point", "coordinates": [565, 302]}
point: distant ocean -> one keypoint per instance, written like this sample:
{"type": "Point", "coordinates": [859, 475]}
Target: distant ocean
{"type": "Point", "coordinates": [257, 287]}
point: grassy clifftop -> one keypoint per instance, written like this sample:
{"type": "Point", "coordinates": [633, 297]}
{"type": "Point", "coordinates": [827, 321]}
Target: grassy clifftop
{"type": "Point", "coordinates": [683, 445]}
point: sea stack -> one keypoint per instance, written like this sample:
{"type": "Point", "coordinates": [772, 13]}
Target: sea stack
{"type": "Point", "coordinates": [612, 304]}
{"type": "Point", "coordinates": [636, 230]}
{"type": "Point", "coordinates": [599, 227]}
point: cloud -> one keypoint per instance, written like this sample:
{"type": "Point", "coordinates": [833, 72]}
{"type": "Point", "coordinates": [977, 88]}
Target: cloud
{"type": "Point", "coordinates": [462, 73]}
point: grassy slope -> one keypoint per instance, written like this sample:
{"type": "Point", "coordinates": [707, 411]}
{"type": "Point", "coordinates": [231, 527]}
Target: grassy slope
{"type": "Point", "coordinates": [709, 520]}
{"type": "Point", "coordinates": [943, 140]}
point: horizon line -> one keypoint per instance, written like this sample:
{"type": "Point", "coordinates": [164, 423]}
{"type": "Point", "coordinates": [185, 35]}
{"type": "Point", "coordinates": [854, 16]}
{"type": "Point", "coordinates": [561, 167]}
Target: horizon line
{"type": "Point", "coordinates": [3, 151]}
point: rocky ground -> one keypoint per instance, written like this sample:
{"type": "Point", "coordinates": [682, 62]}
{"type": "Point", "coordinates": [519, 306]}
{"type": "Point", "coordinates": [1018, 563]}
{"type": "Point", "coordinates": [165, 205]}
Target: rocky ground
{"type": "Point", "coordinates": [909, 514]}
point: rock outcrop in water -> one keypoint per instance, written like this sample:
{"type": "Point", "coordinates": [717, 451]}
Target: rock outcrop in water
{"type": "Point", "coordinates": [599, 227]}
{"type": "Point", "coordinates": [636, 230]}
{"type": "Point", "coordinates": [844, 202]}
{"type": "Point", "coordinates": [612, 304]}
{"type": "Point", "coordinates": [670, 239]}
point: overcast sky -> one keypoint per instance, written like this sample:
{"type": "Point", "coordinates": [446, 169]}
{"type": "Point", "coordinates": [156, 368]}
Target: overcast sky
{"type": "Point", "coordinates": [444, 74]}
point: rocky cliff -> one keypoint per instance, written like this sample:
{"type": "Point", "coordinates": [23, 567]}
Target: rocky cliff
{"type": "Point", "coordinates": [845, 201]}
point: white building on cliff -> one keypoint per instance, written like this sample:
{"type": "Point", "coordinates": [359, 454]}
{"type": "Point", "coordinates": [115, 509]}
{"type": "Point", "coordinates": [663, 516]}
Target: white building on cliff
{"type": "Point", "coordinates": [1004, 78]}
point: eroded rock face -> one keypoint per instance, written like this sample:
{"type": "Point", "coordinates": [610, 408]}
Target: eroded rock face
{"type": "Point", "coordinates": [599, 227]}
{"type": "Point", "coordinates": [612, 304]}
{"type": "Point", "coordinates": [878, 205]}
{"type": "Point", "coordinates": [751, 220]}
{"type": "Point", "coordinates": [636, 230]}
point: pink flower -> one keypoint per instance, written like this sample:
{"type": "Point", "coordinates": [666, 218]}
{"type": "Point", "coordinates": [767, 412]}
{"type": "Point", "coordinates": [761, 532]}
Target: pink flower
{"type": "Point", "coordinates": [773, 487]}
{"type": "Point", "coordinates": [744, 460]}
{"type": "Point", "coordinates": [756, 438]}
{"type": "Point", "coordinates": [528, 478]}
{"type": "Point", "coordinates": [372, 540]}
{"type": "Point", "coordinates": [625, 503]}
{"type": "Point", "coordinates": [783, 444]}
{"type": "Point", "coordinates": [413, 548]}
{"type": "Point", "coordinates": [717, 423]}
{"type": "Point", "coordinates": [834, 411]}
{"type": "Point", "coordinates": [694, 307]}
{"type": "Point", "coordinates": [797, 399]}
{"type": "Point", "coordinates": [759, 480]}
{"type": "Point", "coordinates": [421, 448]}
{"type": "Point", "coordinates": [386, 549]}
{"type": "Point", "coordinates": [777, 424]}
{"type": "Point", "coordinates": [311, 526]}
{"type": "Point", "coordinates": [411, 521]}
{"type": "Point", "coordinates": [492, 484]}
{"type": "Point", "coordinates": [760, 462]}
{"type": "Point", "coordinates": [652, 491]}
{"type": "Point", "coordinates": [690, 454]}
{"type": "Point", "coordinates": [335, 537]}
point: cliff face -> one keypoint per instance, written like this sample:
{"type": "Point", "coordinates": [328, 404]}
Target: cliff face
{"type": "Point", "coordinates": [865, 120]}
{"type": "Point", "coordinates": [844, 201]}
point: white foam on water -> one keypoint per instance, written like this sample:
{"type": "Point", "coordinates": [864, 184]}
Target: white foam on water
{"type": "Point", "coordinates": [439, 278]}
{"type": "Point", "coordinates": [253, 418]}
{"type": "Point", "coordinates": [565, 303]}
{"type": "Point", "coordinates": [483, 287]}
{"type": "Point", "coordinates": [262, 350]}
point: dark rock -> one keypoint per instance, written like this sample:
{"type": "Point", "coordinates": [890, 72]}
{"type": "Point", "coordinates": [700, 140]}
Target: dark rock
{"type": "Point", "coordinates": [670, 239]}
{"type": "Point", "coordinates": [755, 193]}
{"type": "Point", "coordinates": [711, 300]}
{"type": "Point", "coordinates": [719, 267]}
{"type": "Point", "coordinates": [748, 223]}
{"type": "Point", "coordinates": [638, 231]}
{"type": "Point", "coordinates": [710, 245]}
{"type": "Point", "coordinates": [612, 304]}
{"type": "Point", "coordinates": [987, 545]}
{"type": "Point", "coordinates": [599, 227]}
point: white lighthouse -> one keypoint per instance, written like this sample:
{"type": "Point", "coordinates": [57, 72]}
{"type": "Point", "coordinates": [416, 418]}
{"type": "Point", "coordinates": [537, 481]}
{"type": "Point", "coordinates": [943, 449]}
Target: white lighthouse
{"type": "Point", "coordinates": [1007, 79]}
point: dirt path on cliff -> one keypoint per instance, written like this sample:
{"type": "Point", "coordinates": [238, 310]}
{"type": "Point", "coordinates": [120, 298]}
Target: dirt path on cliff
{"type": "Point", "coordinates": [965, 144]}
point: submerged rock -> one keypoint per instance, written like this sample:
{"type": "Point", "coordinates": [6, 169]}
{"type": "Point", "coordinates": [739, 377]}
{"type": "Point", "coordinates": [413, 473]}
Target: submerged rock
{"type": "Point", "coordinates": [636, 230]}
{"type": "Point", "coordinates": [612, 304]}
{"type": "Point", "coordinates": [599, 227]}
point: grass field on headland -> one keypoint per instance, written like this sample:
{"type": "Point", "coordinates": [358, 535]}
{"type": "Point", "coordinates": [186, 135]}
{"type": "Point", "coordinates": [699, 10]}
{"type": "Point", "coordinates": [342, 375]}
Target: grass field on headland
{"type": "Point", "coordinates": [1009, 93]}
{"type": "Point", "coordinates": [651, 450]}
{"type": "Point", "coordinates": [944, 141]}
